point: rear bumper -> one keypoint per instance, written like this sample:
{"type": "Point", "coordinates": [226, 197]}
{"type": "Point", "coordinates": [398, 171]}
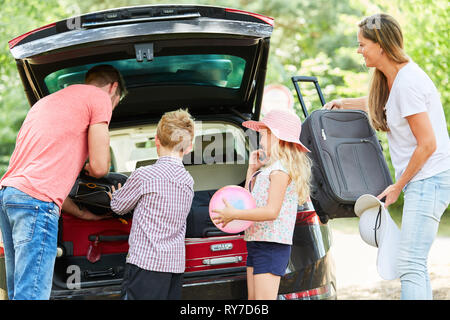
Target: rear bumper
{"type": "Point", "coordinates": [310, 275]}
{"type": "Point", "coordinates": [232, 286]}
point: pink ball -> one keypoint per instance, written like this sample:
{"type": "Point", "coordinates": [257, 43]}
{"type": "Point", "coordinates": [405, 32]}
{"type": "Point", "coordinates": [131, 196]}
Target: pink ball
{"type": "Point", "coordinates": [239, 198]}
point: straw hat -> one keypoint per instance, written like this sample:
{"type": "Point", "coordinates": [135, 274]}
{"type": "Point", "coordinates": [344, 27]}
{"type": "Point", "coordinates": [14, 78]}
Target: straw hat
{"type": "Point", "coordinates": [377, 229]}
{"type": "Point", "coordinates": [284, 124]}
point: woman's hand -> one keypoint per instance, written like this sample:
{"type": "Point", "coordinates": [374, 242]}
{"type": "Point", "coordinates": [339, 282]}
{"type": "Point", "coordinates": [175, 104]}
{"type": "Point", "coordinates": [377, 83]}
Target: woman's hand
{"type": "Point", "coordinates": [258, 158]}
{"type": "Point", "coordinates": [334, 104]}
{"type": "Point", "coordinates": [391, 193]}
{"type": "Point", "coordinates": [225, 215]}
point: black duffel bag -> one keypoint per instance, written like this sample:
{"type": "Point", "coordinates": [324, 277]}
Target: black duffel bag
{"type": "Point", "coordinates": [92, 193]}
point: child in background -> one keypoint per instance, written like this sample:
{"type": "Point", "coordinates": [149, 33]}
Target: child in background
{"type": "Point", "coordinates": [161, 195]}
{"type": "Point", "coordinates": [282, 183]}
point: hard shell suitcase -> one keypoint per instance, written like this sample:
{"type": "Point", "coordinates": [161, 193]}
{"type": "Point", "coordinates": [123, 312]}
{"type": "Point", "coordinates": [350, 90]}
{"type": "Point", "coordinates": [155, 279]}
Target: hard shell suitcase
{"type": "Point", "coordinates": [215, 253]}
{"type": "Point", "coordinates": [347, 157]}
{"type": "Point", "coordinates": [91, 253]}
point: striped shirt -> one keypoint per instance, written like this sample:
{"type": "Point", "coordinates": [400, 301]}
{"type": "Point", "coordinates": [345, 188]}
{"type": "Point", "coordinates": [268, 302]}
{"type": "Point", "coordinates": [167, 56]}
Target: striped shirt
{"type": "Point", "coordinates": [161, 196]}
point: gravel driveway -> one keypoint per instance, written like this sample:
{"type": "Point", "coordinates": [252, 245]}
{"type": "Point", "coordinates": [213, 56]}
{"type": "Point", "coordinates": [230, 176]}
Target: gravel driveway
{"type": "Point", "coordinates": [357, 277]}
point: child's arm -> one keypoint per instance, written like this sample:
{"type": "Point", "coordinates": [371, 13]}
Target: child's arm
{"type": "Point", "coordinates": [279, 182]}
{"type": "Point", "coordinates": [125, 199]}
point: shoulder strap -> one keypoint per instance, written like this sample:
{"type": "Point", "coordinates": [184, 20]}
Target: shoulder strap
{"type": "Point", "coordinates": [251, 179]}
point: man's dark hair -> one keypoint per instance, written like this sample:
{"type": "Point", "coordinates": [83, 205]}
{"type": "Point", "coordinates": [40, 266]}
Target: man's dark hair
{"type": "Point", "coordinates": [105, 74]}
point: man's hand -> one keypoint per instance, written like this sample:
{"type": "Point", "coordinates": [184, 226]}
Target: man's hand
{"type": "Point", "coordinates": [87, 215]}
{"type": "Point", "coordinates": [71, 207]}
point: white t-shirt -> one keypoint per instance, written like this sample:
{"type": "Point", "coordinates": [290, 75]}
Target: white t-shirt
{"type": "Point", "coordinates": [413, 92]}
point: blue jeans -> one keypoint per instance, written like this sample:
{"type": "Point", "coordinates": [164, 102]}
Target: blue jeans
{"type": "Point", "coordinates": [29, 230]}
{"type": "Point", "coordinates": [425, 202]}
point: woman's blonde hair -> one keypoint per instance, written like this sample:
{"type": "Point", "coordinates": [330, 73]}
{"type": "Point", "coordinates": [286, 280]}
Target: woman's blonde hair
{"type": "Point", "coordinates": [384, 30]}
{"type": "Point", "coordinates": [296, 163]}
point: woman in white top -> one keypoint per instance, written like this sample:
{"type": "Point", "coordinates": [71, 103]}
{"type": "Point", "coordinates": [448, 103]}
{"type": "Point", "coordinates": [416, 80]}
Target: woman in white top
{"type": "Point", "coordinates": [404, 102]}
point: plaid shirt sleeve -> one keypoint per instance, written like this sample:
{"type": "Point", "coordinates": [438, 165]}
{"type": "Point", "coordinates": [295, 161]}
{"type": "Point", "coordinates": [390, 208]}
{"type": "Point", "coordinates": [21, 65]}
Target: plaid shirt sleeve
{"type": "Point", "coordinates": [125, 199]}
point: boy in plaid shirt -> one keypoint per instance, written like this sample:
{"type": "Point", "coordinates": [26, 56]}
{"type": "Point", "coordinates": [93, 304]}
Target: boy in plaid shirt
{"type": "Point", "coordinates": [161, 196]}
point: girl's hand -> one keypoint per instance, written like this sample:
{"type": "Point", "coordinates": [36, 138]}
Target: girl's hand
{"type": "Point", "coordinates": [225, 215]}
{"type": "Point", "coordinates": [334, 104]}
{"type": "Point", "coordinates": [391, 193]}
{"type": "Point", "coordinates": [258, 158]}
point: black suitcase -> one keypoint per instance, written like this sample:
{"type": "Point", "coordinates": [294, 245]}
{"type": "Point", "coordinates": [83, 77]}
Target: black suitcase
{"type": "Point", "coordinates": [347, 157]}
{"type": "Point", "coordinates": [198, 222]}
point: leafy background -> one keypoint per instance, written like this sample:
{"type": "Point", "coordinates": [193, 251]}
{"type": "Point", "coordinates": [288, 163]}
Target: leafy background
{"type": "Point", "coordinates": [311, 37]}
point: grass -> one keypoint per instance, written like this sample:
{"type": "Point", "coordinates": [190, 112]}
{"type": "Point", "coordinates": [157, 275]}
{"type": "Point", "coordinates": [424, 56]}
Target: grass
{"type": "Point", "coordinates": [350, 225]}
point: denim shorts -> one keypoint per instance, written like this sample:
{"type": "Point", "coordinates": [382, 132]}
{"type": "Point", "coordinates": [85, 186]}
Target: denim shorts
{"type": "Point", "coordinates": [268, 257]}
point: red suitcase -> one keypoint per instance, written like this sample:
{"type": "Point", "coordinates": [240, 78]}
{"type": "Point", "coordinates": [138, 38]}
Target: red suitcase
{"type": "Point", "coordinates": [93, 252]}
{"type": "Point", "coordinates": [215, 253]}
{"type": "Point", "coordinates": [79, 235]}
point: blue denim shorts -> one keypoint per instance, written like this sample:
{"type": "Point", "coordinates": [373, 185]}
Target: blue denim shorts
{"type": "Point", "coordinates": [268, 257]}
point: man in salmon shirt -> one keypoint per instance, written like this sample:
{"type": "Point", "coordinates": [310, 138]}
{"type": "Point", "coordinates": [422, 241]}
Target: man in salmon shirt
{"type": "Point", "coordinates": [58, 134]}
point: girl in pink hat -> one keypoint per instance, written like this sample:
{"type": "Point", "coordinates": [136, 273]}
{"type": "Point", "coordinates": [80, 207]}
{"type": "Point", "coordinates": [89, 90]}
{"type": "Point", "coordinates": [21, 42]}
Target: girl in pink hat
{"type": "Point", "coordinates": [280, 182]}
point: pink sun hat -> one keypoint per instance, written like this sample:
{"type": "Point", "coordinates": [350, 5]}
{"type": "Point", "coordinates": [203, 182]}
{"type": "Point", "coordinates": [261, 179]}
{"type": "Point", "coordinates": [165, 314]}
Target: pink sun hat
{"type": "Point", "coordinates": [284, 124]}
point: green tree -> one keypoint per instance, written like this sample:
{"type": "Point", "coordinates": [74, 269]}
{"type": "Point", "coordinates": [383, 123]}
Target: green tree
{"type": "Point", "coordinates": [311, 37]}
{"type": "Point", "coordinates": [16, 18]}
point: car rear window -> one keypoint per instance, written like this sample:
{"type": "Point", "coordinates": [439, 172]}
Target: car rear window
{"type": "Point", "coordinates": [217, 70]}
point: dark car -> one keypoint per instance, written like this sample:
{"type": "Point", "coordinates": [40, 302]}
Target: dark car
{"type": "Point", "coordinates": [210, 60]}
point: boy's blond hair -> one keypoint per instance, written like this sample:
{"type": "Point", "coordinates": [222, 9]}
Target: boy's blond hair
{"type": "Point", "coordinates": [176, 130]}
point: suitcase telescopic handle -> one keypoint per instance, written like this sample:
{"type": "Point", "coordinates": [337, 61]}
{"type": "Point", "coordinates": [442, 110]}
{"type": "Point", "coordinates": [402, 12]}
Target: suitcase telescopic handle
{"type": "Point", "coordinates": [296, 80]}
{"type": "Point", "coordinates": [102, 238]}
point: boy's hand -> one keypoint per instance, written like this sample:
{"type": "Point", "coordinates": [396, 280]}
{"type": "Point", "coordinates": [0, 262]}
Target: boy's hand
{"type": "Point", "coordinates": [114, 190]}
{"type": "Point", "coordinates": [225, 215]}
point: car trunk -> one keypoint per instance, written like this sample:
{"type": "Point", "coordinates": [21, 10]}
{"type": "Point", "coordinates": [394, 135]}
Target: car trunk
{"type": "Point", "coordinates": [209, 60]}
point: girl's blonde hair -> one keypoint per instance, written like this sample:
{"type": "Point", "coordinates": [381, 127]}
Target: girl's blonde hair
{"type": "Point", "coordinates": [297, 164]}
{"type": "Point", "coordinates": [384, 30]}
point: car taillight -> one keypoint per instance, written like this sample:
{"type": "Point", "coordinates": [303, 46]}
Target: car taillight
{"type": "Point", "coordinates": [307, 218]}
{"type": "Point", "coordinates": [2, 251]}
{"type": "Point", "coordinates": [12, 43]}
{"type": "Point", "coordinates": [268, 20]}
{"type": "Point", "coordinates": [306, 215]}
{"type": "Point", "coordinates": [313, 294]}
